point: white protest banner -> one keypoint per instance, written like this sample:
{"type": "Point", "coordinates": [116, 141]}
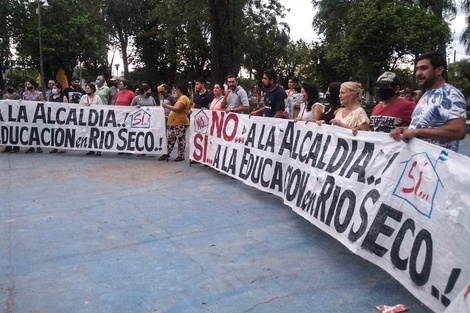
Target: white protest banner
{"type": "Point", "coordinates": [71, 126]}
{"type": "Point", "coordinates": [402, 206]}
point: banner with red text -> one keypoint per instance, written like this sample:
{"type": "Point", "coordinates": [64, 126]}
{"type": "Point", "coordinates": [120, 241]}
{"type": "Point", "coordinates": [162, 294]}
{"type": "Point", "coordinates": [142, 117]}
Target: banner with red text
{"type": "Point", "coordinates": [402, 206]}
{"type": "Point", "coordinates": [71, 126]}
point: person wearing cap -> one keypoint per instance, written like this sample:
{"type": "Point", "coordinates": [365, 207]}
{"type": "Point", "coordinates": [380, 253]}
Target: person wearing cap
{"type": "Point", "coordinates": [392, 111]}
{"type": "Point", "coordinates": [113, 90]}
{"type": "Point", "coordinates": [440, 114]}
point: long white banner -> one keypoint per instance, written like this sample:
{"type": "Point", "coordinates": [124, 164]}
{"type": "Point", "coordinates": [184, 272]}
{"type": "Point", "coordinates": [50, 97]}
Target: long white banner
{"type": "Point", "coordinates": [402, 206]}
{"type": "Point", "coordinates": [71, 126]}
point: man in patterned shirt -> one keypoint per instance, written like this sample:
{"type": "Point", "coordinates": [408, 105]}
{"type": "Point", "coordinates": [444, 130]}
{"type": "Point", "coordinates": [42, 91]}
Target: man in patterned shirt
{"type": "Point", "coordinates": [439, 116]}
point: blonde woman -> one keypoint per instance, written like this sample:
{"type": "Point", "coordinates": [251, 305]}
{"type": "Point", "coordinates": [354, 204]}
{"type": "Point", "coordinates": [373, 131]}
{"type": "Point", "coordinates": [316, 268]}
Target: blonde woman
{"type": "Point", "coordinates": [352, 116]}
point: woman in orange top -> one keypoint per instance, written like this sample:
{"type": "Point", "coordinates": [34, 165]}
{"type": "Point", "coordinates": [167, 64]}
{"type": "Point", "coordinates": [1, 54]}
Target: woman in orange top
{"type": "Point", "coordinates": [178, 123]}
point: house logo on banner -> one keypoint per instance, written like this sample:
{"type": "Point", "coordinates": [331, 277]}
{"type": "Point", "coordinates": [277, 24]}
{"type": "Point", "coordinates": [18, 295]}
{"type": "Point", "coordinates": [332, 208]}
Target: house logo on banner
{"type": "Point", "coordinates": [419, 183]}
{"type": "Point", "coordinates": [140, 119]}
{"type": "Point", "coordinates": [201, 124]}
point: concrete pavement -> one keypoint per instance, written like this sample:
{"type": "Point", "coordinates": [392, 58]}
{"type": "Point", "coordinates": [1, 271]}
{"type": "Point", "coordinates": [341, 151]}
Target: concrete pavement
{"type": "Point", "coordinates": [128, 234]}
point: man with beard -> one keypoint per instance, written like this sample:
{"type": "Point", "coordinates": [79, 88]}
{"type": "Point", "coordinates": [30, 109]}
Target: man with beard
{"type": "Point", "coordinates": [202, 97]}
{"type": "Point", "coordinates": [74, 92]}
{"type": "Point", "coordinates": [392, 111]}
{"type": "Point", "coordinates": [274, 96]}
{"type": "Point", "coordinates": [236, 99]}
{"type": "Point", "coordinates": [439, 116]}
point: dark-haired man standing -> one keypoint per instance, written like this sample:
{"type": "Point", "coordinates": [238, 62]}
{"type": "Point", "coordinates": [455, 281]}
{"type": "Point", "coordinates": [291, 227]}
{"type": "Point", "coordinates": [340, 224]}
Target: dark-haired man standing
{"type": "Point", "coordinates": [439, 116]}
{"type": "Point", "coordinates": [274, 97]}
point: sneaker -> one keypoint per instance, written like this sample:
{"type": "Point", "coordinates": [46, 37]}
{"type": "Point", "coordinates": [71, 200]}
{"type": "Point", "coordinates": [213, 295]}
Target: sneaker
{"type": "Point", "coordinates": [15, 150]}
{"type": "Point", "coordinates": [30, 150]}
{"type": "Point", "coordinates": [164, 157]}
{"type": "Point", "coordinates": [179, 159]}
{"type": "Point", "coordinates": [38, 150]}
{"type": "Point", "coordinates": [53, 151]}
{"type": "Point", "coordinates": [90, 153]}
{"type": "Point", "coordinates": [98, 153]}
{"type": "Point", "coordinates": [7, 149]}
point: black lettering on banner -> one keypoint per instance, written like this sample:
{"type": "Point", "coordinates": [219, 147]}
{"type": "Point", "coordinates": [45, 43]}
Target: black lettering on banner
{"type": "Point", "coordinates": [50, 118]}
{"type": "Point", "coordinates": [22, 114]}
{"type": "Point", "coordinates": [265, 183]}
{"type": "Point", "coordinates": [399, 263]}
{"type": "Point", "coordinates": [350, 157]}
{"type": "Point", "coordinates": [270, 141]}
{"type": "Point", "coordinates": [297, 179]}
{"type": "Point", "coordinates": [351, 197]}
{"type": "Point", "coordinates": [72, 117]}
{"type": "Point", "coordinates": [110, 119]}
{"type": "Point", "coordinates": [325, 194]}
{"type": "Point", "coordinates": [81, 118]}
{"type": "Point", "coordinates": [121, 135]}
{"type": "Point", "coordinates": [379, 227]}
{"type": "Point", "coordinates": [93, 117]}
{"type": "Point", "coordinates": [341, 148]}
{"type": "Point", "coordinates": [39, 113]}
{"type": "Point", "coordinates": [334, 201]}
{"type": "Point", "coordinates": [320, 164]}
{"type": "Point", "coordinates": [34, 137]}
{"type": "Point", "coordinates": [247, 163]}
{"type": "Point", "coordinates": [93, 140]}
{"type": "Point", "coordinates": [23, 130]}
{"type": "Point", "coordinates": [288, 139]}
{"type": "Point", "coordinates": [277, 177]}
{"type": "Point", "coordinates": [307, 136]}
{"type": "Point", "coordinates": [44, 132]}
{"type": "Point", "coordinates": [149, 141]}
{"type": "Point", "coordinates": [365, 157]}
{"type": "Point", "coordinates": [422, 278]}
{"type": "Point", "coordinates": [217, 159]}
{"type": "Point", "coordinates": [232, 162]}
{"type": "Point", "coordinates": [60, 121]}
{"type": "Point", "coordinates": [374, 195]}
{"type": "Point", "coordinates": [1, 116]}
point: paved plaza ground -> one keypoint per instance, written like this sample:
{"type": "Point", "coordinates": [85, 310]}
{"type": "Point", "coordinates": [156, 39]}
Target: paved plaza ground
{"type": "Point", "coordinates": [132, 234]}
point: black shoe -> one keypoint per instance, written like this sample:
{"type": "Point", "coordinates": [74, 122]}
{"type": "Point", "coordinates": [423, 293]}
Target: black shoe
{"type": "Point", "coordinates": [15, 150]}
{"type": "Point", "coordinates": [164, 157]}
{"type": "Point", "coordinates": [38, 150]}
{"type": "Point", "coordinates": [30, 150]}
{"type": "Point", "coordinates": [7, 149]}
{"type": "Point", "coordinates": [53, 151]}
{"type": "Point", "coordinates": [179, 159]}
{"type": "Point", "coordinates": [90, 153]}
{"type": "Point", "coordinates": [193, 162]}
{"type": "Point", "coordinates": [98, 153]}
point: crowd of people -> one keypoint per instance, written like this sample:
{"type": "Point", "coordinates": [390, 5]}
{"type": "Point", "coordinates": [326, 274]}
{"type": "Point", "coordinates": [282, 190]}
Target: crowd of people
{"type": "Point", "coordinates": [437, 115]}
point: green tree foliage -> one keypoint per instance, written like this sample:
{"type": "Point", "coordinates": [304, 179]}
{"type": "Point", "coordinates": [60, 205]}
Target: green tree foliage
{"type": "Point", "coordinates": [465, 36]}
{"type": "Point", "coordinates": [459, 75]}
{"type": "Point", "coordinates": [370, 36]}
{"type": "Point", "coordinates": [71, 31]}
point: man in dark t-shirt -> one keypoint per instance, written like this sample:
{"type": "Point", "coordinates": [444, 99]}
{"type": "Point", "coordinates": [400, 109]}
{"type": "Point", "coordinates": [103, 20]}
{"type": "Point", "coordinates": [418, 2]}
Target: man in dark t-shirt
{"type": "Point", "coordinates": [202, 96]}
{"type": "Point", "coordinates": [74, 92]}
{"type": "Point", "coordinates": [274, 97]}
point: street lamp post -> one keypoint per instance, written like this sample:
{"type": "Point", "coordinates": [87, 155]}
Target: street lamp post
{"type": "Point", "coordinates": [41, 3]}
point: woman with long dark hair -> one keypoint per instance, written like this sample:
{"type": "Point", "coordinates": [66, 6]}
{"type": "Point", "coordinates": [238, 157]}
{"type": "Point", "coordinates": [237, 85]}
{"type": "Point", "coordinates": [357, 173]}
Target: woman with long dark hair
{"type": "Point", "coordinates": [332, 96]}
{"type": "Point", "coordinates": [311, 108]}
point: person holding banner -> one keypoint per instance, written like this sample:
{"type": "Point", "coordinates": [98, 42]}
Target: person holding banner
{"type": "Point", "coordinates": [274, 97]}
{"type": "Point", "coordinates": [440, 114]}
{"type": "Point", "coordinates": [31, 94]}
{"type": "Point", "coordinates": [178, 123]}
{"type": "Point", "coordinates": [352, 116]}
{"type": "Point", "coordinates": [393, 111]}
{"type": "Point", "coordinates": [311, 109]}
{"type": "Point", "coordinates": [332, 96]}
{"type": "Point", "coordinates": [11, 94]}
{"type": "Point", "coordinates": [236, 99]}
{"type": "Point", "coordinates": [57, 96]}
{"type": "Point", "coordinates": [91, 99]}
